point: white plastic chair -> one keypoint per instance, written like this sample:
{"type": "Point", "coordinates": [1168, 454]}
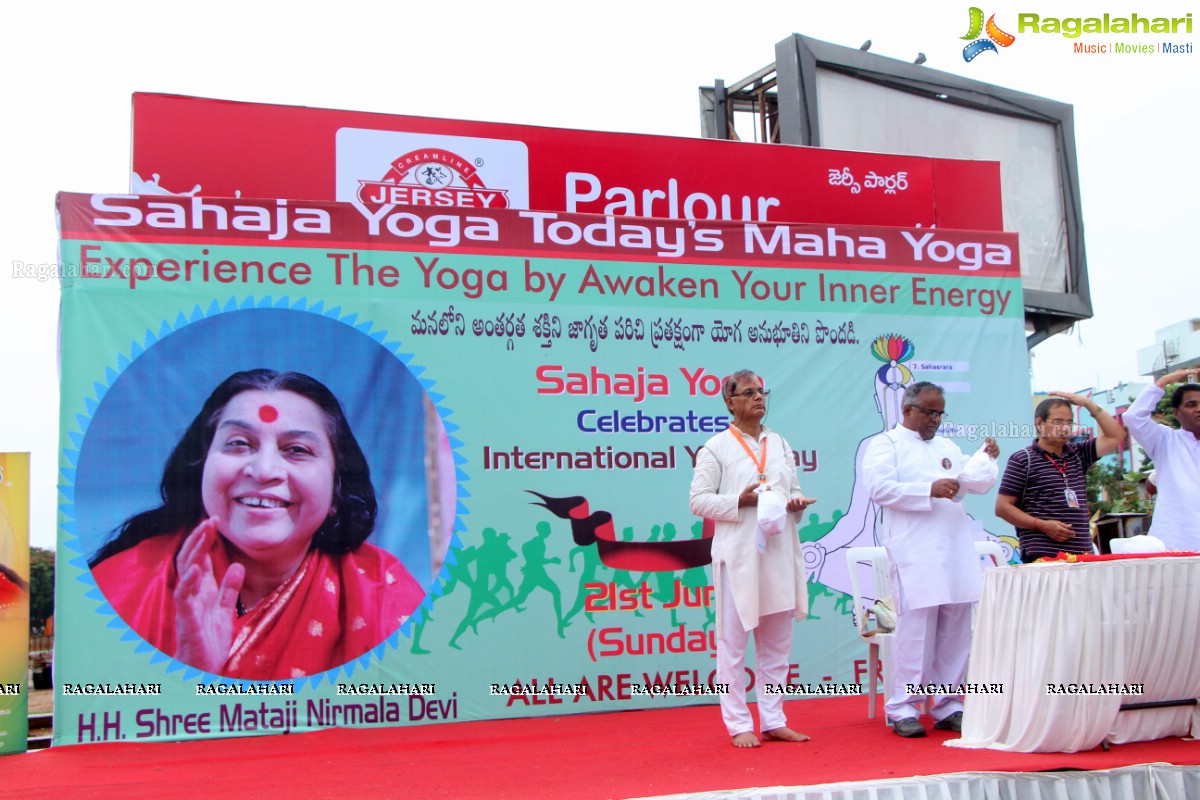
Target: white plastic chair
{"type": "Point", "coordinates": [991, 553]}
{"type": "Point", "coordinates": [879, 645]}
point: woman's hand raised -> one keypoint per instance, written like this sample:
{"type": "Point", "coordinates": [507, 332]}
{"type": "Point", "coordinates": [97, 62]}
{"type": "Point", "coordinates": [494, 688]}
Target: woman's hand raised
{"type": "Point", "coordinates": [204, 610]}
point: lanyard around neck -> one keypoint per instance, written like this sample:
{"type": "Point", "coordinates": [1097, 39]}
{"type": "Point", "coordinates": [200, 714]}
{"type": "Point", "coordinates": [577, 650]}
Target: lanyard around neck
{"type": "Point", "coordinates": [759, 463]}
{"type": "Point", "coordinates": [1062, 468]}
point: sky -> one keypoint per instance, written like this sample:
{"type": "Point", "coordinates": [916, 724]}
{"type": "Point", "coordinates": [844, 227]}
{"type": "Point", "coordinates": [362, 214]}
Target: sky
{"type": "Point", "coordinates": [71, 68]}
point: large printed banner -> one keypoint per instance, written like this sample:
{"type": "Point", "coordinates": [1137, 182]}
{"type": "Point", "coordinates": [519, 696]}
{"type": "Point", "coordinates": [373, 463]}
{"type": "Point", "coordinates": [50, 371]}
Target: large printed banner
{"type": "Point", "coordinates": [452, 449]}
{"type": "Point", "coordinates": [14, 602]}
{"type": "Point", "coordinates": [215, 147]}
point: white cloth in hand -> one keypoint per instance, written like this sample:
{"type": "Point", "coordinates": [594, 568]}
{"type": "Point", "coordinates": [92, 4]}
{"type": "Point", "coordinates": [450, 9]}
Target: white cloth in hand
{"type": "Point", "coordinates": [977, 475]}
{"type": "Point", "coordinates": [772, 517]}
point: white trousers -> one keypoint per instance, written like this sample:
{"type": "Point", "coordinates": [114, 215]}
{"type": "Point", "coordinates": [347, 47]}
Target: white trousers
{"type": "Point", "coordinates": [931, 645]}
{"type": "Point", "coordinates": [772, 648]}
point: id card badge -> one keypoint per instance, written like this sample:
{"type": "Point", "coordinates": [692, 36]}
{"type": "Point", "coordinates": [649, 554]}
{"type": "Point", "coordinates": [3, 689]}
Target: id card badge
{"type": "Point", "coordinates": [1072, 499]}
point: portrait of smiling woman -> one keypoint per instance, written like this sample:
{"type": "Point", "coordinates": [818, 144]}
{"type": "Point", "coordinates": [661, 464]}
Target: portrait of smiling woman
{"type": "Point", "coordinates": [256, 564]}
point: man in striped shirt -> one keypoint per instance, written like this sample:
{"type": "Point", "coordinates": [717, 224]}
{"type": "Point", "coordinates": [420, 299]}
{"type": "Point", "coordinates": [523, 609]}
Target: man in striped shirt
{"type": "Point", "coordinates": [1043, 493]}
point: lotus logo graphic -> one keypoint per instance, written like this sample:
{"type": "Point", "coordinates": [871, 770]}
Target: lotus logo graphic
{"type": "Point", "coordinates": [995, 36]}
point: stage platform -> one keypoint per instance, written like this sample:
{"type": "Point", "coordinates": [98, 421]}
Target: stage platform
{"type": "Point", "coordinates": [675, 753]}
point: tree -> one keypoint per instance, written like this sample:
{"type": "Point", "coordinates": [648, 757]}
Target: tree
{"type": "Point", "coordinates": [1112, 490]}
{"type": "Point", "coordinates": [41, 585]}
{"type": "Point", "coordinates": [1103, 484]}
{"type": "Point", "coordinates": [1163, 412]}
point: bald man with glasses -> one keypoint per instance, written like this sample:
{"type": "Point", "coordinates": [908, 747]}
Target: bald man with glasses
{"type": "Point", "coordinates": [919, 479]}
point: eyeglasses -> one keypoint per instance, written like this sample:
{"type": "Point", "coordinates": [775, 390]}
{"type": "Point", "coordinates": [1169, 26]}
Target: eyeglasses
{"type": "Point", "coordinates": [929, 412]}
{"type": "Point", "coordinates": [750, 394]}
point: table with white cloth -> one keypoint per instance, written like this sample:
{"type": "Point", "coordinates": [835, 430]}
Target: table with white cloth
{"type": "Point", "coordinates": [1083, 625]}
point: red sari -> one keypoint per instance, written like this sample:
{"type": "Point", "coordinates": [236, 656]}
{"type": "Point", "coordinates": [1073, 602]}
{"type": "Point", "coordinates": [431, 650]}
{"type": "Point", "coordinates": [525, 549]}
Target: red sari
{"type": "Point", "coordinates": [331, 611]}
{"type": "Point", "coordinates": [10, 593]}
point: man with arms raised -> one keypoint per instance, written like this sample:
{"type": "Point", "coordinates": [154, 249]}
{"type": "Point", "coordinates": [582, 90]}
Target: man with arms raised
{"type": "Point", "coordinates": [1043, 493]}
{"type": "Point", "coordinates": [920, 480]}
{"type": "Point", "coordinates": [1176, 455]}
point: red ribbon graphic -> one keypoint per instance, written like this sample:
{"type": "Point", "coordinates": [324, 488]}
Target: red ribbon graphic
{"type": "Point", "coordinates": [588, 527]}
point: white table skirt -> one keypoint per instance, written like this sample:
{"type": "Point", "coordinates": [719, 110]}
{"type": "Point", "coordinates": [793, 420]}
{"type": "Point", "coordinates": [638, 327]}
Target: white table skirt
{"type": "Point", "coordinates": [1132, 621]}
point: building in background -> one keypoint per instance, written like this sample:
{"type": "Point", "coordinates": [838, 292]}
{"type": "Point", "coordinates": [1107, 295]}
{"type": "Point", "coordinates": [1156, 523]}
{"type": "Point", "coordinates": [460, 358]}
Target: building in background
{"type": "Point", "coordinates": [1115, 401]}
{"type": "Point", "coordinates": [1176, 346]}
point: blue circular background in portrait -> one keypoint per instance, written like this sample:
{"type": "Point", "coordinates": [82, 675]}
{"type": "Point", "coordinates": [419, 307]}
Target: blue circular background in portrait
{"type": "Point", "coordinates": [147, 408]}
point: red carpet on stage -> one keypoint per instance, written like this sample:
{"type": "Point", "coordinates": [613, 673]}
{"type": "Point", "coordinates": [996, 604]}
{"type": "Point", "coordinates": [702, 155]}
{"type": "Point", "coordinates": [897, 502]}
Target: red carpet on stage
{"type": "Point", "coordinates": [614, 755]}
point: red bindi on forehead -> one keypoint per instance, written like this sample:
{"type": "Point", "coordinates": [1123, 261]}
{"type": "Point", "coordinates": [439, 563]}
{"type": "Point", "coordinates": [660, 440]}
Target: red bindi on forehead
{"type": "Point", "coordinates": [268, 413]}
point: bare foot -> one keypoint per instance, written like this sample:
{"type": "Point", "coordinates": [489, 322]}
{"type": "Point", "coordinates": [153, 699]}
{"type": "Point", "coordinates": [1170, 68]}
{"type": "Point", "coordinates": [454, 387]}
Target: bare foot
{"type": "Point", "coordinates": [785, 735]}
{"type": "Point", "coordinates": [746, 739]}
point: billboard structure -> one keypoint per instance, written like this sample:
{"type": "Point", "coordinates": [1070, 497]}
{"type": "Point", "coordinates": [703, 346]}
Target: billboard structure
{"type": "Point", "coordinates": [825, 95]}
{"type": "Point", "coordinates": [189, 145]}
{"type": "Point", "coordinates": [525, 330]}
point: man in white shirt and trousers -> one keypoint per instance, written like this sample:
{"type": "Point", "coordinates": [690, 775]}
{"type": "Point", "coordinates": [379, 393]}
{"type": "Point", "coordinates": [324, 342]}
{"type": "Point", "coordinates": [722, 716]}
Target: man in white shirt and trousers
{"type": "Point", "coordinates": [745, 481]}
{"type": "Point", "coordinates": [1176, 455]}
{"type": "Point", "coordinates": [919, 479]}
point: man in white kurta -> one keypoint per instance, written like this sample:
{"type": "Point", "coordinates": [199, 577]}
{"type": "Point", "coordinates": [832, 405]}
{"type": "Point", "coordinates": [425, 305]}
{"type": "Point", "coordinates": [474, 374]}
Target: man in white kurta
{"type": "Point", "coordinates": [920, 480]}
{"type": "Point", "coordinates": [1176, 455]}
{"type": "Point", "coordinates": [759, 578]}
